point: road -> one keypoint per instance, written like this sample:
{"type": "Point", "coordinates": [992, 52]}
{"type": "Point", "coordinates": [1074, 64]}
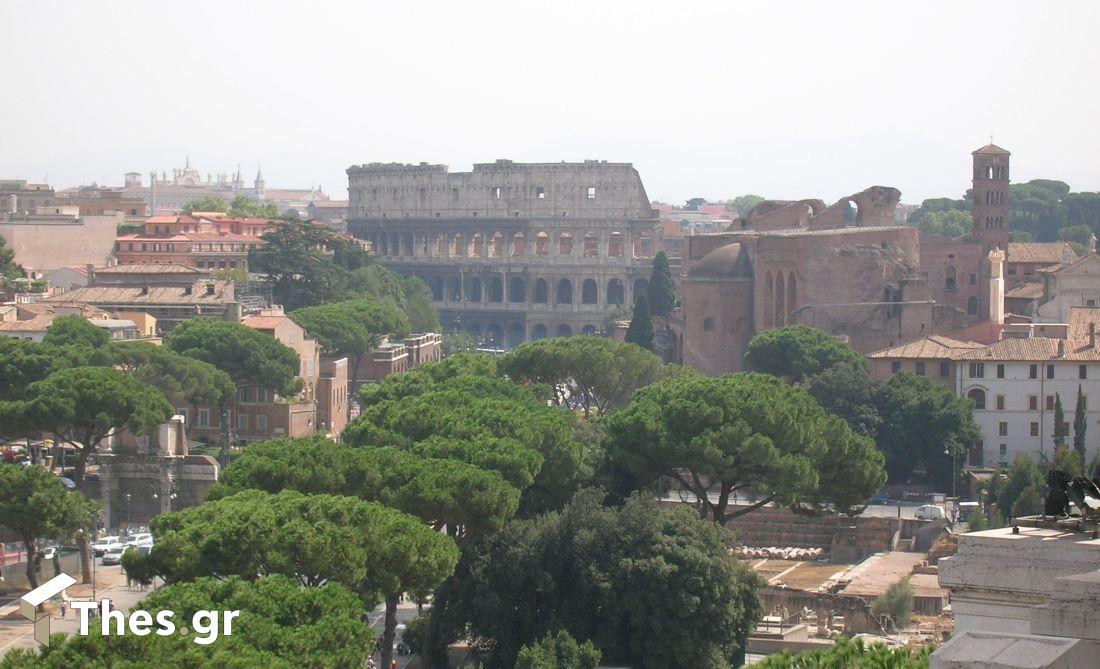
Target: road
{"type": "Point", "coordinates": [377, 620]}
{"type": "Point", "coordinates": [908, 509]}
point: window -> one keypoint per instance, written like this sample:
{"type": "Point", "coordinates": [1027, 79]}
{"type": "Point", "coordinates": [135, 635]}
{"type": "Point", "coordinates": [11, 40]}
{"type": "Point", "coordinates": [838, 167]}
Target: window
{"type": "Point", "coordinates": [977, 395]}
{"type": "Point", "coordinates": [1090, 303]}
{"type": "Point", "coordinates": [261, 394]}
{"type": "Point", "coordinates": [182, 411]}
{"type": "Point", "coordinates": [497, 192]}
{"type": "Point", "coordinates": [1082, 371]}
{"type": "Point", "coordinates": [1050, 402]}
{"type": "Point", "coordinates": [1050, 371]}
{"type": "Point", "coordinates": [1033, 371]}
{"type": "Point", "coordinates": [540, 193]}
{"type": "Point", "coordinates": [591, 192]}
{"type": "Point", "coordinates": [949, 278]}
{"type": "Point", "coordinates": [973, 279]}
{"type": "Point", "coordinates": [1004, 450]}
{"type": "Point", "coordinates": [977, 370]}
{"type": "Point", "coordinates": [1000, 371]}
{"type": "Point", "coordinates": [1002, 428]}
{"type": "Point", "coordinates": [242, 395]}
{"type": "Point", "coordinates": [895, 367]}
{"type": "Point", "coordinates": [945, 368]}
{"type": "Point", "coordinates": [1085, 402]}
{"type": "Point", "coordinates": [261, 422]}
{"type": "Point", "coordinates": [920, 368]}
{"type": "Point", "coordinates": [972, 306]}
{"type": "Point", "coordinates": [1034, 428]}
{"type": "Point", "coordinates": [708, 324]}
{"type": "Point", "coordinates": [242, 421]}
{"type": "Point", "coordinates": [204, 418]}
{"type": "Point", "coordinates": [1033, 402]}
{"type": "Point", "coordinates": [1000, 402]}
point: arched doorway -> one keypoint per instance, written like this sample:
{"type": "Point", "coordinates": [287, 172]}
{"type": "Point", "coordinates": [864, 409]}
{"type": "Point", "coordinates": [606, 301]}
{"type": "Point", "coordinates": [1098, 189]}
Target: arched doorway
{"type": "Point", "coordinates": [539, 332]}
{"type": "Point", "coordinates": [614, 291]}
{"type": "Point", "coordinates": [565, 292]}
{"type": "Point", "coordinates": [516, 334]}
{"type": "Point", "coordinates": [517, 289]}
{"type": "Point", "coordinates": [539, 296]}
{"type": "Point", "coordinates": [564, 331]}
{"type": "Point", "coordinates": [589, 292]}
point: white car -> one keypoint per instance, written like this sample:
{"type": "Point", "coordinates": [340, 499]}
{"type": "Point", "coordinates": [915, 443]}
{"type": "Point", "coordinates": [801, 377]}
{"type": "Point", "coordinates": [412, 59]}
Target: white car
{"type": "Point", "coordinates": [929, 512]}
{"type": "Point", "coordinates": [139, 540]}
{"type": "Point", "coordinates": [114, 555]}
{"type": "Point", "coordinates": [103, 544]}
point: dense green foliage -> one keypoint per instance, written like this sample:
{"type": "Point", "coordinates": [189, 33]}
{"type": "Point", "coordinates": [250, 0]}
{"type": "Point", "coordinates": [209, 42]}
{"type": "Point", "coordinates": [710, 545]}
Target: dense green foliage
{"type": "Point", "coordinates": [797, 352]}
{"type": "Point", "coordinates": [917, 423]}
{"type": "Point", "coordinates": [1043, 210]}
{"type": "Point", "coordinates": [742, 434]}
{"type": "Point", "coordinates": [1060, 427]}
{"type": "Point", "coordinates": [601, 373]}
{"type": "Point", "coordinates": [640, 331]}
{"type": "Point", "coordinates": [1003, 493]}
{"type": "Point", "coordinates": [558, 651]}
{"type": "Point", "coordinates": [82, 405]}
{"type": "Point", "coordinates": [1080, 425]}
{"type": "Point", "coordinates": [650, 587]}
{"type": "Point", "coordinates": [662, 290]}
{"type": "Point", "coordinates": [75, 331]}
{"type": "Point", "coordinates": [281, 625]}
{"type": "Point", "coordinates": [743, 203]}
{"type": "Point", "coordinates": [35, 505]}
{"type": "Point", "coordinates": [8, 268]}
{"type": "Point", "coordinates": [489, 423]}
{"type": "Point", "coordinates": [248, 356]}
{"type": "Point", "coordinates": [847, 654]}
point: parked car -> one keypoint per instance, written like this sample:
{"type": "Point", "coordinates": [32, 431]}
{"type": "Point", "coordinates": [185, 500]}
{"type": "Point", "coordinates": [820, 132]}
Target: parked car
{"type": "Point", "coordinates": [137, 540]}
{"type": "Point", "coordinates": [929, 512]}
{"type": "Point", "coordinates": [49, 552]}
{"type": "Point", "coordinates": [113, 555]}
{"type": "Point", "coordinates": [882, 497]}
{"type": "Point", "coordinates": [103, 544]}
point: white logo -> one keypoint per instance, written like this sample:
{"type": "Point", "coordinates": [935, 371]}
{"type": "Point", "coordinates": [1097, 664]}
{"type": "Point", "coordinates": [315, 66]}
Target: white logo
{"type": "Point", "coordinates": [29, 603]}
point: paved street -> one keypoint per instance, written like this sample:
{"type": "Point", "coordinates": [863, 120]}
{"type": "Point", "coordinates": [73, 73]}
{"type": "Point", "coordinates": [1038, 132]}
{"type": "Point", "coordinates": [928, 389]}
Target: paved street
{"type": "Point", "coordinates": [405, 613]}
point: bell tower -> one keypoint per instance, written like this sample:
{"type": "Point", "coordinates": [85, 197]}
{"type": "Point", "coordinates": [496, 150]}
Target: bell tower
{"type": "Point", "coordinates": [989, 207]}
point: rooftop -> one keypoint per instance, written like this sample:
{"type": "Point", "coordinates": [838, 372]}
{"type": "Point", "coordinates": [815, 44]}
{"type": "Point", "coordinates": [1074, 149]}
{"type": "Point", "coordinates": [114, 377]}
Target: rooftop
{"type": "Point", "coordinates": [1039, 252]}
{"type": "Point", "coordinates": [935, 346]}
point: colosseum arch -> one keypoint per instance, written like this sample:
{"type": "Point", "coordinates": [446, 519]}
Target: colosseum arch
{"type": "Point", "coordinates": [517, 289]}
{"type": "Point", "coordinates": [495, 334]}
{"type": "Point", "coordinates": [519, 245]}
{"type": "Point", "coordinates": [565, 244]}
{"type": "Point", "coordinates": [591, 247]}
{"type": "Point", "coordinates": [407, 244]}
{"type": "Point", "coordinates": [615, 245]}
{"type": "Point", "coordinates": [590, 292]}
{"type": "Point", "coordinates": [589, 331]}
{"type": "Point", "coordinates": [539, 332]}
{"type": "Point", "coordinates": [474, 329]}
{"type": "Point", "coordinates": [563, 331]}
{"type": "Point", "coordinates": [496, 245]}
{"type": "Point", "coordinates": [437, 245]}
{"type": "Point", "coordinates": [458, 246]}
{"type": "Point", "coordinates": [565, 292]}
{"type": "Point", "coordinates": [422, 244]}
{"type": "Point", "coordinates": [473, 289]}
{"type": "Point", "coordinates": [615, 291]}
{"type": "Point", "coordinates": [436, 286]}
{"type": "Point", "coordinates": [477, 246]}
{"type": "Point", "coordinates": [540, 293]}
{"type": "Point", "coordinates": [640, 287]}
{"type": "Point", "coordinates": [454, 289]}
{"type": "Point", "coordinates": [542, 243]}
{"type": "Point", "coordinates": [494, 288]}
{"type": "Point", "coordinates": [516, 334]}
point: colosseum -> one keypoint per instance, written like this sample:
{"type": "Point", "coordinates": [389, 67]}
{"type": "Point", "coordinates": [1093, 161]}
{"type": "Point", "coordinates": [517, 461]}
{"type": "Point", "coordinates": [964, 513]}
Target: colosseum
{"type": "Point", "coordinates": [512, 252]}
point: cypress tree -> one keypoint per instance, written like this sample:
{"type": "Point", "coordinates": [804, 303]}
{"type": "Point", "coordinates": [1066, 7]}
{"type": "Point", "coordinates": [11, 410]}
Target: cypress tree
{"type": "Point", "coordinates": [1080, 424]}
{"type": "Point", "coordinates": [1061, 430]}
{"type": "Point", "coordinates": [640, 331]}
{"type": "Point", "coordinates": [662, 291]}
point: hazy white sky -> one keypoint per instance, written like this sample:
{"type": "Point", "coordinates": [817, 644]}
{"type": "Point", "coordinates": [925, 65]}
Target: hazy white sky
{"type": "Point", "coordinates": [784, 99]}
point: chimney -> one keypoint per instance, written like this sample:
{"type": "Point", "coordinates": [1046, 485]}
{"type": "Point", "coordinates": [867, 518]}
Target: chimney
{"type": "Point", "coordinates": [144, 290]}
{"type": "Point", "coordinates": [89, 269]}
{"type": "Point", "coordinates": [1092, 335]}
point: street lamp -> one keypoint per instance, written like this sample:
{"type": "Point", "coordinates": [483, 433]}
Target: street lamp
{"type": "Point", "coordinates": [129, 498]}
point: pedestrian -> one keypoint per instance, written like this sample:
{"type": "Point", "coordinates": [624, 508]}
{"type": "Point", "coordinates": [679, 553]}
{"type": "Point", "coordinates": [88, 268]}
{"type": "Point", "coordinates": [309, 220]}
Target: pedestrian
{"type": "Point", "coordinates": [62, 608]}
{"type": "Point", "coordinates": [393, 664]}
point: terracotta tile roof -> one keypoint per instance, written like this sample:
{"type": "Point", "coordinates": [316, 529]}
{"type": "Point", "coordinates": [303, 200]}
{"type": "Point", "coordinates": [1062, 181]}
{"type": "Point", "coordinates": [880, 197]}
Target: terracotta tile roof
{"type": "Point", "coordinates": [1061, 268]}
{"type": "Point", "coordinates": [218, 237]}
{"type": "Point", "coordinates": [1039, 252]}
{"type": "Point", "coordinates": [330, 204]}
{"type": "Point", "coordinates": [264, 322]}
{"type": "Point", "coordinates": [174, 295]}
{"type": "Point", "coordinates": [148, 268]}
{"type": "Point", "coordinates": [1016, 348]}
{"type": "Point", "coordinates": [991, 148]}
{"type": "Point", "coordinates": [36, 324]}
{"type": "Point", "coordinates": [936, 346]}
{"type": "Point", "coordinates": [142, 237]}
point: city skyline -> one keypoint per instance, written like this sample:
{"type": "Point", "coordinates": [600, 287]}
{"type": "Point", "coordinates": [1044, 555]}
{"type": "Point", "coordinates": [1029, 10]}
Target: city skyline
{"type": "Point", "coordinates": [710, 100]}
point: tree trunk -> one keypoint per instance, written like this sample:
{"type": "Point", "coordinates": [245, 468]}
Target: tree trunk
{"type": "Point", "coordinates": [32, 561]}
{"type": "Point", "coordinates": [433, 652]}
{"type": "Point", "coordinates": [389, 631]}
{"type": "Point", "coordinates": [85, 561]}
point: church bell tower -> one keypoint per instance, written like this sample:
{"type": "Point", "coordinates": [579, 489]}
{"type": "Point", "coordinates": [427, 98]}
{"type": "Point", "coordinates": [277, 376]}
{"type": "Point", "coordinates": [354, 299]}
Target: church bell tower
{"type": "Point", "coordinates": [990, 206]}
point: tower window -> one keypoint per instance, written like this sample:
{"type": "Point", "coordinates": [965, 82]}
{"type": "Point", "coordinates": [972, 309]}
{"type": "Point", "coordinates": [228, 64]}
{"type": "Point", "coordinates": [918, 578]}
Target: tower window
{"type": "Point", "coordinates": [591, 192]}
